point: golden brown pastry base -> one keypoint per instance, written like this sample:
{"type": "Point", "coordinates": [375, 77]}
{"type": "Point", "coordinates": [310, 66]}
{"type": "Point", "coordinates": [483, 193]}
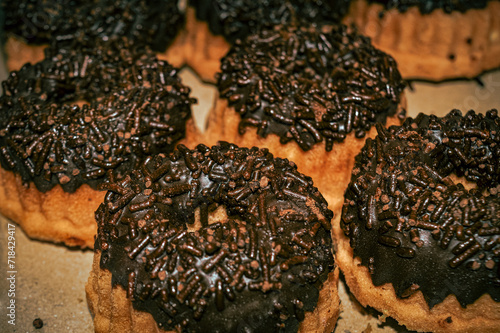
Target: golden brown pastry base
{"type": "Point", "coordinates": [113, 311]}
{"type": "Point", "coordinates": [55, 216]}
{"type": "Point", "coordinates": [413, 312]}
{"type": "Point", "coordinates": [203, 49]}
{"type": "Point", "coordinates": [434, 46]}
{"type": "Point", "coordinates": [58, 216]}
{"type": "Point", "coordinates": [330, 171]}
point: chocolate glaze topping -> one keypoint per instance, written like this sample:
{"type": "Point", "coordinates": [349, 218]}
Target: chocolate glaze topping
{"type": "Point", "coordinates": [136, 105]}
{"type": "Point", "coordinates": [155, 23]}
{"type": "Point", "coordinates": [309, 85]}
{"type": "Point", "coordinates": [235, 19]}
{"type": "Point", "coordinates": [258, 271]}
{"type": "Point", "coordinates": [427, 6]}
{"type": "Point", "coordinates": [416, 228]}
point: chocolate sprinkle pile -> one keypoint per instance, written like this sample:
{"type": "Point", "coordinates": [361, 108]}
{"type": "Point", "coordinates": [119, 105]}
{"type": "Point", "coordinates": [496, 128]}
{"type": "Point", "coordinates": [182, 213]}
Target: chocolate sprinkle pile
{"type": "Point", "coordinates": [135, 105]}
{"type": "Point", "coordinates": [415, 227]}
{"type": "Point", "coordinates": [309, 85]}
{"type": "Point", "coordinates": [258, 270]}
{"type": "Point", "coordinates": [427, 6]}
{"type": "Point", "coordinates": [235, 19]}
{"type": "Point", "coordinates": [154, 23]}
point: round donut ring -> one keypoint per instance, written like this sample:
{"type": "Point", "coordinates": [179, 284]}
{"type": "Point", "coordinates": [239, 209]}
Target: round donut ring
{"type": "Point", "coordinates": [422, 219]}
{"type": "Point", "coordinates": [215, 240]}
{"type": "Point", "coordinates": [83, 116]}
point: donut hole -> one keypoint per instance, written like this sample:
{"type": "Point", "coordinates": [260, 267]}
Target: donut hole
{"type": "Point", "coordinates": [217, 215]}
{"type": "Point", "coordinates": [80, 103]}
{"type": "Point", "coordinates": [468, 185]}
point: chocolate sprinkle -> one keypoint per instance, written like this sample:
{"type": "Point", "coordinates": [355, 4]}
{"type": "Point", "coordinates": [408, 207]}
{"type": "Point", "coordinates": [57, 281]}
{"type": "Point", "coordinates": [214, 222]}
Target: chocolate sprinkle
{"type": "Point", "coordinates": [258, 271]}
{"type": "Point", "coordinates": [236, 19]}
{"type": "Point", "coordinates": [154, 23]}
{"type": "Point", "coordinates": [309, 85]}
{"type": "Point", "coordinates": [135, 105]}
{"type": "Point", "coordinates": [411, 224]}
{"type": "Point", "coordinates": [427, 6]}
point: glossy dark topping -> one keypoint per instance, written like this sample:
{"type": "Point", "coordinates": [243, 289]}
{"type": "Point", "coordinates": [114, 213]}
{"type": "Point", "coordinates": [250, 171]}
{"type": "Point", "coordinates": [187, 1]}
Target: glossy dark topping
{"type": "Point", "coordinates": [154, 23]}
{"type": "Point", "coordinates": [259, 271]}
{"type": "Point", "coordinates": [412, 225]}
{"type": "Point", "coordinates": [235, 19]}
{"type": "Point", "coordinates": [136, 106]}
{"type": "Point", "coordinates": [427, 6]}
{"type": "Point", "coordinates": [309, 85]}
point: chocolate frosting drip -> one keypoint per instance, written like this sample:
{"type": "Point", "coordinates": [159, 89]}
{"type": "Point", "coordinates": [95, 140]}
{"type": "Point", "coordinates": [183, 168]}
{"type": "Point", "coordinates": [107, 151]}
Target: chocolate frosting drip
{"type": "Point", "coordinates": [416, 228]}
{"type": "Point", "coordinates": [427, 6]}
{"type": "Point", "coordinates": [136, 105]}
{"type": "Point", "coordinates": [235, 19]}
{"type": "Point", "coordinates": [309, 85]}
{"type": "Point", "coordinates": [154, 23]}
{"type": "Point", "coordinates": [259, 270]}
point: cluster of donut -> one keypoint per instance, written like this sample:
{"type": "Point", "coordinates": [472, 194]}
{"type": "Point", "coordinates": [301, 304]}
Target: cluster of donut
{"type": "Point", "coordinates": [430, 39]}
{"type": "Point", "coordinates": [98, 149]}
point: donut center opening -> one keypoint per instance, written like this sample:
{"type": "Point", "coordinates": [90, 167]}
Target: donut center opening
{"type": "Point", "coordinates": [219, 215]}
{"type": "Point", "coordinates": [468, 185]}
{"type": "Point", "coordinates": [80, 103]}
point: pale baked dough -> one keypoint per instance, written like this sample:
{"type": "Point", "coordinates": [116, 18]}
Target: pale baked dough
{"type": "Point", "coordinates": [203, 50]}
{"type": "Point", "coordinates": [434, 46]}
{"type": "Point", "coordinates": [55, 215]}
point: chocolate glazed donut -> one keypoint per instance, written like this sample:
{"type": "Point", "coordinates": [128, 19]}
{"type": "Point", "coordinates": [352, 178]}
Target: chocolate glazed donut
{"type": "Point", "coordinates": [85, 115]}
{"type": "Point", "coordinates": [416, 228]}
{"type": "Point", "coordinates": [262, 263]}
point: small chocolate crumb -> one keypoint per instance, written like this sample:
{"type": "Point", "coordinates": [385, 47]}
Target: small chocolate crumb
{"type": "Point", "coordinates": [37, 323]}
